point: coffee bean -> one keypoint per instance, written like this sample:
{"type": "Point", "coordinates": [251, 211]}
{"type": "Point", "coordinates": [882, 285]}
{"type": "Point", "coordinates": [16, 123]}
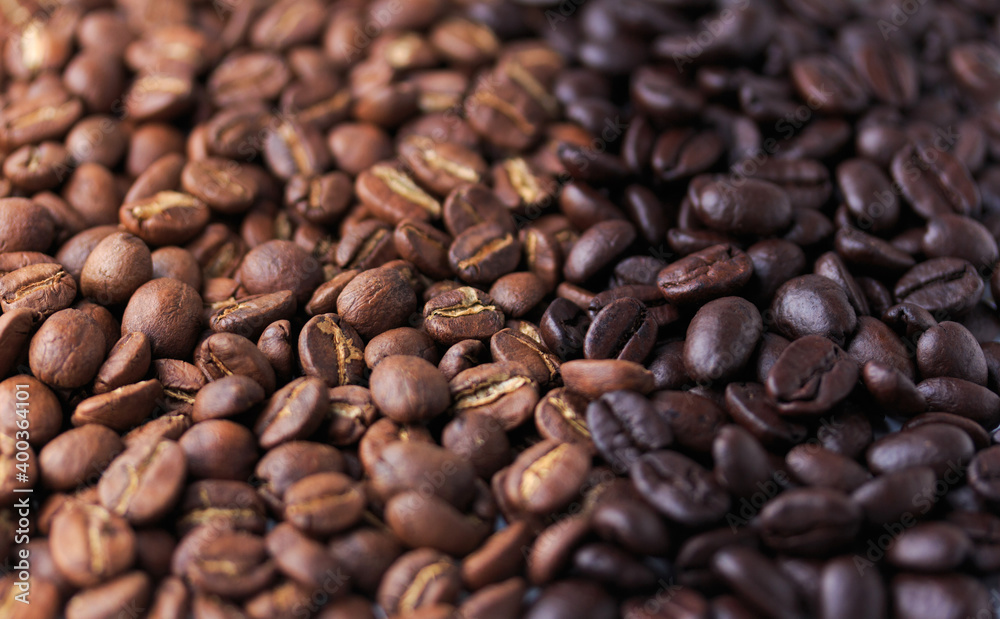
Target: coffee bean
{"type": "Point", "coordinates": [172, 334]}
{"type": "Point", "coordinates": [115, 269]}
{"type": "Point", "coordinates": [934, 181]}
{"type": "Point", "coordinates": [726, 208]}
{"type": "Point", "coordinates": [219, 449]}
{"type": "Point", "coordinates": [813, 305]}
{"type": "Point", "coordinates": [78, 456]}
{"type": "Point", "coordinates": [594, 377]}
{"type": "Point", "coordinates": [954, 595]}
{"type": "Point", "coordinates": [954, 395]}
{"type": "Point", "coordinates": [461, 314]}
{"type": "Point", "coordinates": [402, 465]}
{"type": "Point", "coordinates": [145, 482]}
{"type": "Point", "coordinates": [417, 579]}
{"type": "Point", "coordinates": [222, 504]}
{"type": "Point", "coordinates": [704, 275]}
{"type": "Point", "coordinates": [331, 350]}
{"type": "Point", "coordinates": [695, 417]}
{"type": "Point", "coordinates": [621, 330]}
{"type": "Point", "coordinates": [524, 347]}
{"type": "Point", "coordinates": [232, 564]}
{"type": "Point", "coordinates": [547, 476]}
{"type": "Point", "coordinates": [875, 342]}
{"type": "Point", "coordinates": [375, 301]}
{"type": "Point", "coordinates": [226, 354]}
{"type": "Point", "coordinates": [434, 523]}
{"type": "Point", "coordinates": [409, 389]}
{"type": "Point", "coordinates": [394, 196]}
{"type": "Point", "coordinates": [846, 592]}
{"type": "Point", "coordinates": [625, 425]}
{"type": "Point", "coordinates": [502, 391]}
{"type": "Point", "coordinates": [949, 349]}
{"type": "Point", "coordinates": [597, 247]}
{"type": "Point", "coordinates": [750, 406]}
{"type": "Point", "coordinates": [91, 545]}
{"type": "Point", "coordinates": [720, 339]}
{"type": "Point", "coordinates": [252, 314]}
{"type": "Point", "coordinates": [931, 546]}
{"type": "Point", "coordinates": [809, 521]}
{"type": "Point", "coordinates": [480, 440]}
{"type": "Point", "coordinates": [679, 488]}
{"type": "Point", "coordinates": [425, 246]}
{"type": "Point", "coordinates": [811, 376]}
{"type": "Point", "coordinates": [63, 353]}
{"type": "Point", "coordinates": [295, 411]}
{"type": "Point", "coordinates": [483, 253]}
{"type": "Point", "coordinates": [280, 265]}
{"type": "Point", "coordinates": [564, 326]}
{"type": "Point", "coordinates": [41, 288]}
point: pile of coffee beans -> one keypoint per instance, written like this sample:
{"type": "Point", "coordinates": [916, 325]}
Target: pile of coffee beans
{"type": "Point", "coordinates": [487, 309]}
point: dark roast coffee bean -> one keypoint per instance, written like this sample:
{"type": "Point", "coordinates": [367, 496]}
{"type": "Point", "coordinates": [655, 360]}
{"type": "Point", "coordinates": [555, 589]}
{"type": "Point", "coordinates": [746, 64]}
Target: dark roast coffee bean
{"type": "Point", "coordinates": [756, 579]}
{"type": "Point", "coordinates": [846, 592]}
{"type": "Point", "coordinates": [720, 339]}
{"type": "Point", "coordinates": [813, 305]}
{"type": "Point", "coordinates": [809, 521]}
{"type": "Point", "coordinates": [625, 425]}
{"type": "Point", "coordinates": [705, 275]}
{"type": "Point", "coordinates": [679, 488]}
{"type": "Point", "coordinates": [598, 246]}
{"type": "Point", "coordinates": [934, 181]}
{"type": "Point", "coordinates": [949, 349]}
{"type": "Point", "coordinates": [954, 395]}
{"type": "Point", "coordinates": [749, 208]}
{"type": "Point", "coordinates": [811, 376]}
{"type": "Point", "coordinates": [749, 405]}
{"type": "Point", "coordinates": [621, 330]}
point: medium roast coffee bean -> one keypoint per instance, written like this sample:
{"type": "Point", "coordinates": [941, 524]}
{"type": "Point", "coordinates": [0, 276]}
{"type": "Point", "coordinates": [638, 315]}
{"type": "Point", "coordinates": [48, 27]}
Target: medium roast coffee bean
{"type": "Point", "coordinates": [169, 313]}
{"type": "Point", "coordinates": [91, 545]}
{"type": "Point", "coordinates": [115, 268]}
{"type": "Point", "coordinates": [462, 314]}
{"type": "Point", "coordinates": [67, 350]}
{"type": "Point", "coordinates": [144, 482]}
{"type": "Point", "coordinates": [324, 503]}
{"type": "Point", "coordinates": [331, 350]}
{"type": "Point", "coordinates": [409, 389]}
{"type": "Point", "coordinates": [43, 289]}
{"type": "Point", "coordinates": [295, 411]}
{"type": "Point", "coordinates": [546, 477]}
{"type": "Point", "coordinates": [226, 354]}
